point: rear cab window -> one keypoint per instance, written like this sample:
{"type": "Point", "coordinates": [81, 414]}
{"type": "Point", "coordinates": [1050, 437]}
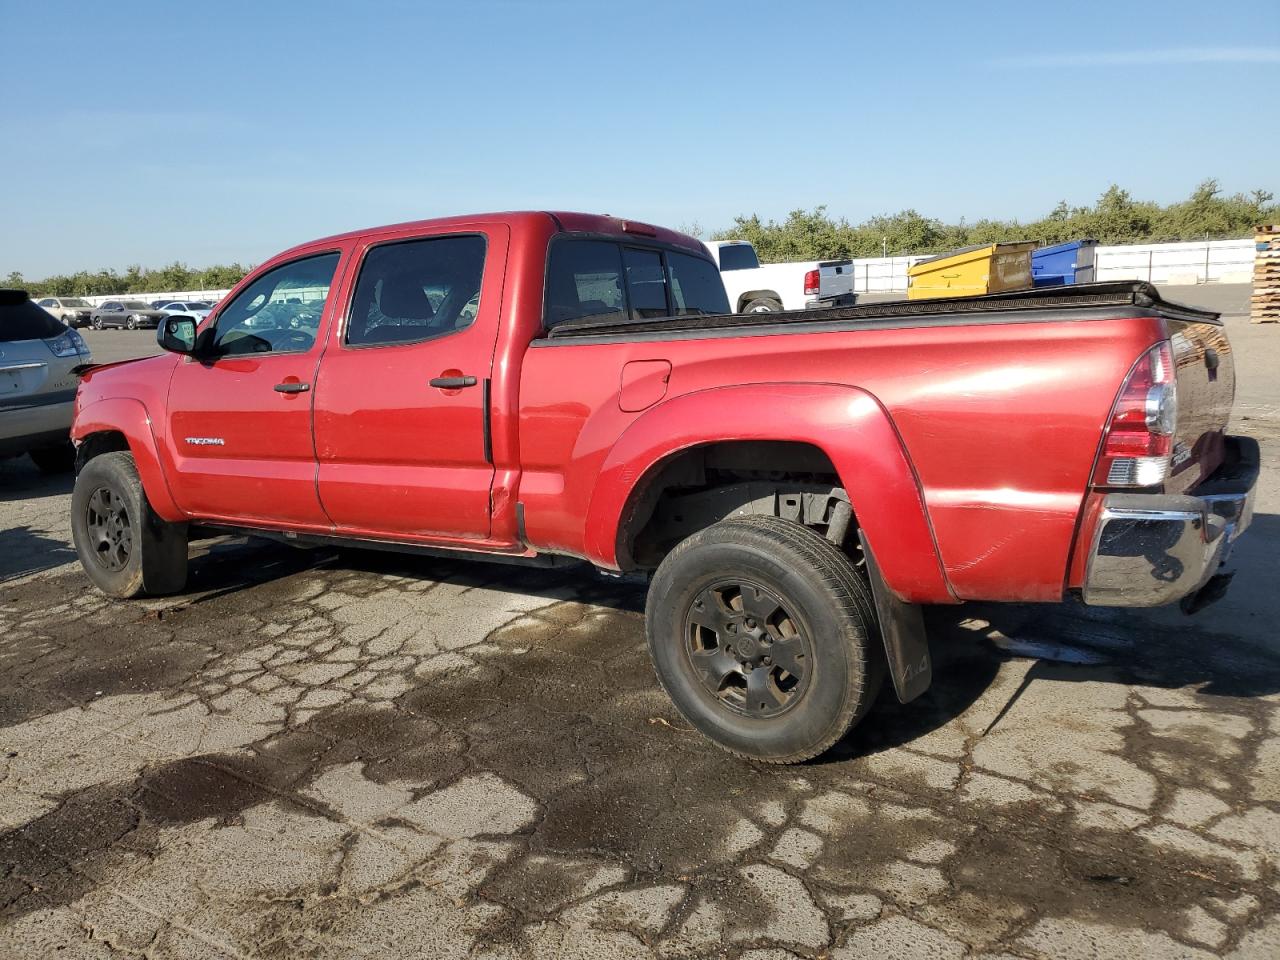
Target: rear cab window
{"type": "Point", "coordinates": [738, 256]}
{"type": "Point", "coordinates": [696, 287]}
{"type": "Point", "coordinates": [601, 279]}
{"type": "Point", "coordinates": [646, 283]}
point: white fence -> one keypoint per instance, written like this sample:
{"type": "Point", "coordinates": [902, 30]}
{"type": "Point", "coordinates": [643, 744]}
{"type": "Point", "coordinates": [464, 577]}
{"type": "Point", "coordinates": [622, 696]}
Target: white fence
{"type": "Point", "coordinates": [192, 295]}
{"type": "Point", "coordinates": [1212, 261]}
{"type": "Point", "coordinates": [1203, 261]}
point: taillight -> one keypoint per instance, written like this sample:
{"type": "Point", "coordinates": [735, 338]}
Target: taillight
{"type": "Point", "coordinates": [811, 284]}
{"type": "Point", "coordinates": [1138, 447]}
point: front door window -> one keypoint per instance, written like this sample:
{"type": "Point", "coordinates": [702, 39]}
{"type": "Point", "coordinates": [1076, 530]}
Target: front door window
{"type": "Point", "coordinates": [279, 312]}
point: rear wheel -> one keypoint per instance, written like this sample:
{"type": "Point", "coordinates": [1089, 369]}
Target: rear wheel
{"type": "Point", "coordinates": [763, 305]}
{"type": "Point", "coordinates": [762, 633]}
{"type": "Point", "coordinates": [57, 459]}
{"type": "Point", "coordinates": [126, 549]}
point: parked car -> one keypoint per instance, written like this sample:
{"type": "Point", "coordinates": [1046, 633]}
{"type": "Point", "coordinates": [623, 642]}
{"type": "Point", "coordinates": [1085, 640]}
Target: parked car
{"type": "Point", "coordinates": [194, 308]}
{"type": "Point", "coordinates": [545, 388]}
{"type": "Point", "coordinates": [773, 287]}
{"type": "Point", "coordinates": [38, 357]}
{"type": "Point", "coordinates": [72, 311]}
{"type": "Point", "coordinates": [128, 314]}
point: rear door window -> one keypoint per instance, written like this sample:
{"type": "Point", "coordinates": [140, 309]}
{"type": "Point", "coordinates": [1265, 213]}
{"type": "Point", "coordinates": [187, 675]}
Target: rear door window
{"type": "Point", "coordinates": [416, 290]}
{"type": "Point", "coordinates": [646, 283]}
{"type": "Point", "coordinates": [696, 286]}
{"type": "Point", "coordinates": [584, 279]}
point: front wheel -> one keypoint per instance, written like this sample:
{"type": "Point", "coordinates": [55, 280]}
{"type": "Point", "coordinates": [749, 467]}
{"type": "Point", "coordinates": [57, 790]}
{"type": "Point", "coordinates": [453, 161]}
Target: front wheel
{"type": "Point", "coordinates": [96, 323]}
{"type": "Point", "coordinates": [131, 324]}
{"type": "Point", "coordinates": [126, 549]}
{"type": "Point", "coordinates": [762, 633]}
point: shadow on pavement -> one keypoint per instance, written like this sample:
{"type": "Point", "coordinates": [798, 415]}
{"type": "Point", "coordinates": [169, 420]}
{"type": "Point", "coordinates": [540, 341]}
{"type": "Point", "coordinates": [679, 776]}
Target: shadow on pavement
{"type": "Point", "coordinates": [24, 550]}
{"type": "Point", "coordinates": [20, 480]}
{"type": "Point", "coordinates": [1073, 643]}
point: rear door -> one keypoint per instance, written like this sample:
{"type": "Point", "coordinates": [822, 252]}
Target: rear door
{"type": "Point", "coordinates": [239, 420]}
{"type": "Point", "coordinates": [402, 402]}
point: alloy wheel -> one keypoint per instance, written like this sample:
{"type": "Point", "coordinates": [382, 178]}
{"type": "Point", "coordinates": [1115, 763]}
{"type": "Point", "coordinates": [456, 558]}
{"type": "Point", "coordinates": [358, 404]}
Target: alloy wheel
{"type": "Point", "coordinates": [747, 648]}
{"type": "Point", "coordinates": [110, 534]}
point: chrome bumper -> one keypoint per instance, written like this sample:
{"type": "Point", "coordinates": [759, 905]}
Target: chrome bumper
{"type": "Point", "coordinates": [1153, 549]}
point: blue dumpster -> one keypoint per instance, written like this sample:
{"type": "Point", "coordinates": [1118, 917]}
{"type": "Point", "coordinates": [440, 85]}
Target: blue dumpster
{"type": "Point", "coordinates": [1063, 263]}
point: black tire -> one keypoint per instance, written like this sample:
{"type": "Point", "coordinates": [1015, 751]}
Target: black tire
{"type": "Point", "coordinates": [765, 712]}
{"type": "Point", "coordinates": [763, 305]}
{"type": "Point", "coordinates": [96, 323]}
{"type": "Point", "coordinates": [57, 459]}
{"type": "Point", "coordinates": [126, 549]}
{"type": "Point", "coordinates": [131, 324]}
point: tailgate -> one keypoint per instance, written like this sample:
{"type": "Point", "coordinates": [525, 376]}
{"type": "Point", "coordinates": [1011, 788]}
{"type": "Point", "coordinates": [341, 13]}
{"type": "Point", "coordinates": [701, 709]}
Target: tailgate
{"type": "Point", "coordinates": [835, 278]}
{"type": "Point", "coordinates": [1206, 389]}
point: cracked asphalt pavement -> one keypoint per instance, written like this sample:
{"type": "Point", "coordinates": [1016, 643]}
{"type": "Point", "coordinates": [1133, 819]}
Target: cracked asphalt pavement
{"type": "Point", "coordinates": [332, 753]}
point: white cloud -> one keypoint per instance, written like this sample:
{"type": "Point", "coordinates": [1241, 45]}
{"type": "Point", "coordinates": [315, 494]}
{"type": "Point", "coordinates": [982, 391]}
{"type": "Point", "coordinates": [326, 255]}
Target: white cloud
{"type": "Point", "coordinates": [1138, 58]}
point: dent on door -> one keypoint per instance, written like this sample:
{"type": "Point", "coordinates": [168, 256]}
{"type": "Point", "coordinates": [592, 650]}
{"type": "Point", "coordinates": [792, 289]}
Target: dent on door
{"type": "Point", "coordinates": [644, 383]}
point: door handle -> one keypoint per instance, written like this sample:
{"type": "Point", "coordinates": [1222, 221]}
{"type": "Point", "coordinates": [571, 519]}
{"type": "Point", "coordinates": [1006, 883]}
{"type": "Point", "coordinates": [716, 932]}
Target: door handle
{"type": "Point", "coordinates": [292, 387]}
{"type": "Point", "coordinates": [453, 383]}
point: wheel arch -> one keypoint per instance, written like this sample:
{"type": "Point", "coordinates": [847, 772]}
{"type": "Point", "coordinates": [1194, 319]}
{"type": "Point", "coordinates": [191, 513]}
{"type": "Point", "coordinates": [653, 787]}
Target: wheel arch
{"type": "Point", "coordinates": [843, 425]}
{"type": "Point", "coordinates": [122, 423]}
{"type": "Point", "coordinates": [745, 298]}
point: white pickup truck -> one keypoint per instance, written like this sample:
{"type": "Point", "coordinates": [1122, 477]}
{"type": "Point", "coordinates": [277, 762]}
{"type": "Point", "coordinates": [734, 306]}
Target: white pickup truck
{"type": "Point", "coordinates": [771, 287]}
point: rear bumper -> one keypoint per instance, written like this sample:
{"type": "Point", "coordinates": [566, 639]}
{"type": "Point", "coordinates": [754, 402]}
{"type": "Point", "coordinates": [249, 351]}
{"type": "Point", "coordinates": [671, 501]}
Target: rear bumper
{"type": "Point", "coordinates": [1153, 549]}
{"type": "Point", "coordinates": [842, 300]}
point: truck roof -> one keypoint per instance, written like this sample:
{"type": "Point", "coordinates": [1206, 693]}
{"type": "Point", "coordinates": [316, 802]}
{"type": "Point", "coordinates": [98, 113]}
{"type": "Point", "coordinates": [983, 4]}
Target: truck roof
{"type": "Point", "coordinates": [565, 221]}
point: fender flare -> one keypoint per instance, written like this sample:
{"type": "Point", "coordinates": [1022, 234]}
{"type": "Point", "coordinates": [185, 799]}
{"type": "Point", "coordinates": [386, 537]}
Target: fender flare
{"type": "Point", "coordinates": [847, 423]}
{"type": "Point", "coordinates": [748, 295]}
{"type": "Point", "coordinates": [129, 417]}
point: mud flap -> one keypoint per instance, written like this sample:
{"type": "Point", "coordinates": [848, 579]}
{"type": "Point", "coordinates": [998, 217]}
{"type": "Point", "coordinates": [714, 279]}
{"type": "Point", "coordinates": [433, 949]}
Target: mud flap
{"type": "Point", "coordinates": [906, 645]}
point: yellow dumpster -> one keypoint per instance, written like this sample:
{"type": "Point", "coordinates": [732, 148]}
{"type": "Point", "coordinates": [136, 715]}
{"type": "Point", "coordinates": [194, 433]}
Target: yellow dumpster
{"type": "Point", "coordinates": [973, 271]}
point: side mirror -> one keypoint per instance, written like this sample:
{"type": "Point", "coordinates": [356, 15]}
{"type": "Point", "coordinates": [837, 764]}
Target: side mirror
{"type": "Point", "coordinates": [177, 334]}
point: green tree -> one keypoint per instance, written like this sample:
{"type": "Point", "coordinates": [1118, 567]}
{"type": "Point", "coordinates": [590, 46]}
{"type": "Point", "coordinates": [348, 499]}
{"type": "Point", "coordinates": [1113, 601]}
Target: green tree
{"type": "Point", "coordinates": [1116, 217]}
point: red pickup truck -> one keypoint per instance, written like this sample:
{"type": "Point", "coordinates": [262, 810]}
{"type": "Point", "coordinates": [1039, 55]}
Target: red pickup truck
{"type": "Point", "coordinates": [543, 386]}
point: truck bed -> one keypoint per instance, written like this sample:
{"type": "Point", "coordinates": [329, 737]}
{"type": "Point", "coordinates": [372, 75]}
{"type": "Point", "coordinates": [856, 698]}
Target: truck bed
{"type": "Point", "coordinates": [1085, 301]}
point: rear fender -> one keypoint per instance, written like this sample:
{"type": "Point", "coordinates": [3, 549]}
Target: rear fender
{"type": "Point", "coordinates": [129, 417]}
{"type": "Point", "coordinates": [846, 423]}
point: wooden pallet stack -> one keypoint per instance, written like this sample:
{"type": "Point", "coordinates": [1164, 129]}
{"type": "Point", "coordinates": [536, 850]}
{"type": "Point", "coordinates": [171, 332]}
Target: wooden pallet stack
{"type": "Point", "coordinates": [1266, 275]}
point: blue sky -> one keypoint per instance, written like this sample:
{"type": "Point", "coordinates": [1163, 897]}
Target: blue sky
{"type": "Point", "coordinates": [148, 132]}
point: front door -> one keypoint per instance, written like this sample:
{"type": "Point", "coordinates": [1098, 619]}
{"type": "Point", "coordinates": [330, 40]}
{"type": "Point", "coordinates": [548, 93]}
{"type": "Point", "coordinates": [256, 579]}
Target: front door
{"type": "Point", "coordinates": [401, 415]}
{"type": "Point", "coordinates": [240, 417]}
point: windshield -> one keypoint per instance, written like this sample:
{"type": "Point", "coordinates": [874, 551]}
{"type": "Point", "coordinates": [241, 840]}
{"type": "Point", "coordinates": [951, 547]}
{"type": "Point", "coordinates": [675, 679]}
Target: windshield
{"type": "Point", "coordinates": [135, 305]}
{"type": "Point", "coordinates": [197, 305]}
{"type": "Point", "coordinates": [738, 256]}
{"type": "Point", "coordinates": [73, 302]}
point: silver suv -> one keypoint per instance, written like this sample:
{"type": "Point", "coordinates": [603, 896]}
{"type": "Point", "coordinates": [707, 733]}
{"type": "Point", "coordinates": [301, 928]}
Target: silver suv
{"type": "Point", "coordinates": [72, 311]}
{"type": "Point", "coordinates": [38, 357]}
